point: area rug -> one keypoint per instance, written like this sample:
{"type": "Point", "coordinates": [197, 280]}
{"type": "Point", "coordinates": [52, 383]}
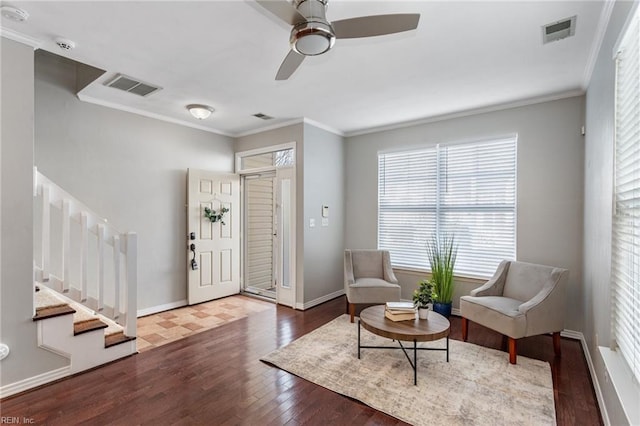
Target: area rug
{"type": "Point", "coordinates": [477, 387]}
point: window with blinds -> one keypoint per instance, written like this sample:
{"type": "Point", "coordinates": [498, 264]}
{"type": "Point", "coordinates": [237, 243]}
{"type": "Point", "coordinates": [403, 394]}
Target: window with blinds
{"type": "Point", "coordinates": [468, 190]}
{"type": "Point", "coordinates": [626, 218]}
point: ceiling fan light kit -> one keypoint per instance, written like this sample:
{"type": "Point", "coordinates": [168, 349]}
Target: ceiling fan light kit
{"type": "Point", "coordinates": [199, 111]}
{"type": "Point", "coordinates": [312, 34]}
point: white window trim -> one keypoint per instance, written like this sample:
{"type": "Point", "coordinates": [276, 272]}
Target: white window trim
{"type": "Point", "coordinates": [257, 151]}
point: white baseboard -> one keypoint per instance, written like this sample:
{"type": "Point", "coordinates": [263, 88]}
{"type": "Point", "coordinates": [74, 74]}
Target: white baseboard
{"type": "Point", "coordinates": [32, 382]}
{"type": "Point", "coordinates": [592, 371]}
{"type": "Point", "coordinates": [161, 308]}
{"type": "Point", "coordinates": [319, 300]}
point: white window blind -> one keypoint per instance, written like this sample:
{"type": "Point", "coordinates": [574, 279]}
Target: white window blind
{"type": "Point", "coordinates": [468, 190]}
{"type": "Point", "coordinates": [626, 219]}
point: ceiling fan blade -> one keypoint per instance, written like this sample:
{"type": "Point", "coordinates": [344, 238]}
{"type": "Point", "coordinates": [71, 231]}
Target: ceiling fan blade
{"type": "Point", "coordinates": [283, 10]}
{"type": "Point", "coordinates": [289, 65]}
{"type": "Point", "coordinates": [375, 25]}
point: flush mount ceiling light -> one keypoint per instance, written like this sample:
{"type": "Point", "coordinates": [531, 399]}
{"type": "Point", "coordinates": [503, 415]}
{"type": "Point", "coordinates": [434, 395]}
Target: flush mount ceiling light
{"type": "Point", "coordinates": [14, 13]}
{"type": "Point", "coordinates": [200, 112]}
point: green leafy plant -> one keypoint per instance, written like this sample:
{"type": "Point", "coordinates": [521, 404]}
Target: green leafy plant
{"type": "Point", "coordinates": [423, 295]}
{"type": "Point", "coordinates": [215, 216]}
{"type": "Point", "coordinates": [442, 252]}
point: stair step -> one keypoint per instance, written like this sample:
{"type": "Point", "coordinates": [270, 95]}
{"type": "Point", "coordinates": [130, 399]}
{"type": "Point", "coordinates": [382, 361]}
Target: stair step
{"type": "Point", "coordinates": [53, 311]}
{"type": "Point", "coordinates": [88, 325]}
{"type": "Point", "coordinates": [116, 339]}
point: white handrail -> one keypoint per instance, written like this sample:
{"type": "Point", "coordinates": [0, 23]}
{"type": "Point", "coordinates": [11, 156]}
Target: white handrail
{"type": "Point", "coordinates": [113, 294]}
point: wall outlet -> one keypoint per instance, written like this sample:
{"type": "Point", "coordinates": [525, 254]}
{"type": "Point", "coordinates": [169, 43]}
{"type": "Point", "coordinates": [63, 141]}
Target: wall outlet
{"type": "Point", "coordinates": [325, 221]}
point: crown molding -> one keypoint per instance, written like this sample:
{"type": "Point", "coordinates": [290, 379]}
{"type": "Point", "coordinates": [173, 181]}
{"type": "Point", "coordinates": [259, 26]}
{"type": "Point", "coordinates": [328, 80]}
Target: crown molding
{"type": "Point", "coordinates": [20, 38]}
{"type": "Point", "coordinates": [601, 30]}
{"type": "Point", "coordinates": [160, 117]}
{"type": "Point", "coordinates": [324, 127]}
{"type": "Point", "coordinates": [470, 112]}
{"type": "Point", "coordinates": [273, 126]}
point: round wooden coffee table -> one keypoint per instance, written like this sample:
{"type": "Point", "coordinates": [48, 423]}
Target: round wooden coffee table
{"type": "Point", "coordinates": [418, 330]}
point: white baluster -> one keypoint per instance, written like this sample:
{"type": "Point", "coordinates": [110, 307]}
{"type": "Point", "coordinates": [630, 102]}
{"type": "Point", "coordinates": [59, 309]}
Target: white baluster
{"type": "Point", "coordinates": [100, 266]}
{"type": "Point", "coordinates": [116, 276]}
{"type": "Point", "coordinates": [46, 232]}
{"type": "Point", "coordinates": [66, 244]}
{"type": "Point", "coordinates": [131, 288]}
{"type": "Point", "coordinates": [84, 252]}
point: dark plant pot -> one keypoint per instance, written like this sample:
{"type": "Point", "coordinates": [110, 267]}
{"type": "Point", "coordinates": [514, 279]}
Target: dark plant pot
{"type": "Point", "coordinates": [443, 309]}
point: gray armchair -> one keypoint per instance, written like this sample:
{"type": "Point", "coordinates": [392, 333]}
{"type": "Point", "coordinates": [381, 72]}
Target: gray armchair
{"type": "Point", "coordinates": [368, 278]}
{"type": "Point", "coordinates": [520, 300]}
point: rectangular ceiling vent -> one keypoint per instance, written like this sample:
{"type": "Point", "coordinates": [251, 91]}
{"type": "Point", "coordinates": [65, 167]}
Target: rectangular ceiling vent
{"type": "Point", "coordinates": [262, 116]}
{"type": "Point", "coordinates": [558, 30]}
{"type": "Point", "coordinates": [132, 85]}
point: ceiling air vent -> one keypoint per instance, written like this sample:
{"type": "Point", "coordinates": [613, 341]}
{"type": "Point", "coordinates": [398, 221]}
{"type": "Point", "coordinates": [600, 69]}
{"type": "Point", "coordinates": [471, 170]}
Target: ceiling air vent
{"type": "Point", "coordinates": [132, 85]}
{"type": "Point", "coordinates": [262, 116]}
{"type": "Point", "coordinates": [558, 30]}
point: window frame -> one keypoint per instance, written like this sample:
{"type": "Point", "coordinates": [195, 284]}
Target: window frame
{"type": "Point", "coordinates": [439, 208]}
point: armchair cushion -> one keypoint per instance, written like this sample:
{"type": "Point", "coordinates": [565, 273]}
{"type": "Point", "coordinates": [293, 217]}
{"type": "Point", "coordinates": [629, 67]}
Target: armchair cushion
{"type": "Point", "coordinates": [501, 312]}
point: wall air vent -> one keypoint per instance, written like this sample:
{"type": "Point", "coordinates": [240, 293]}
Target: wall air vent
{"type": "Point", "coordinates": [262, 116]}
{"type": "Point", "coordinates": [558, 30]}
{"type": "Point", "coordinates": [132, 85]}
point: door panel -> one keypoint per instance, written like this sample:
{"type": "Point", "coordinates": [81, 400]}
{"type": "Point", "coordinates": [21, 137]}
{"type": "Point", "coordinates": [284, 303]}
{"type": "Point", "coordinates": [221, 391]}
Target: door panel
{"type": "Point", "coordinates": [217, 246]}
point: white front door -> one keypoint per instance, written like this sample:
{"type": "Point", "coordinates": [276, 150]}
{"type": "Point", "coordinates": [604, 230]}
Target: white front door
{"type": "Point", "coordinates": [285, 225]}
{"type": "Point", "coordinates": [215, 246]}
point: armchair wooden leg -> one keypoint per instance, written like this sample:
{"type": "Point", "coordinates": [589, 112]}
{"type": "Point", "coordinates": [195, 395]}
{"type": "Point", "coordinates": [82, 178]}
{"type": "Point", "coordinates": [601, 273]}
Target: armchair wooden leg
{"type": "Point", "coordinates": [465, 329]}
{"type": "Point", "coordinates": [513, 352]}
{"type": "Point", "coordinates": [556, 343]}
{"type": "Point", "coordinates": [352, 310]}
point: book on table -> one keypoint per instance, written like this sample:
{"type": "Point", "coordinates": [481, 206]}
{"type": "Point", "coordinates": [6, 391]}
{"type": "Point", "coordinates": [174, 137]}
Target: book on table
{"type": "Point", "coordinates": [400, 306]}
{"type": "Point", "coordinates": [404, 316]}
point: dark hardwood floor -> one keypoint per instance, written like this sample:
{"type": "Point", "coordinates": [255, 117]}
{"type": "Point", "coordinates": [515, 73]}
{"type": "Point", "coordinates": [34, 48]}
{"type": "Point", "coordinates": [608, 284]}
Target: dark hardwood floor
{"type": "Point", "coordinates": [216, 378]}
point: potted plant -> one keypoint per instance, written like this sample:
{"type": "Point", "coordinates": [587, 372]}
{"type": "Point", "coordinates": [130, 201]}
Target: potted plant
{"type": "Point", "coordinates": [423, 298]}
{"type": "Point", "coordinates": [442, 252]}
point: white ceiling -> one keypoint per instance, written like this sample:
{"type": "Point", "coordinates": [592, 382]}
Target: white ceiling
{"type": "Point", "coordinates": [463, 56]}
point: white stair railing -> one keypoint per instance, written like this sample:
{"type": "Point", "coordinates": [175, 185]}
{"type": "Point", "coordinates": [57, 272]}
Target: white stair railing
{"type": "Point", "coordinates": [80, 254]}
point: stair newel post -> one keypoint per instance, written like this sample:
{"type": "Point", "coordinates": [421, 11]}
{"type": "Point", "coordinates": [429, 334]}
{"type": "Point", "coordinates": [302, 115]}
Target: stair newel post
{"type": "Point", "coordinates": [66, 244]}
{"type": "Point", "coordinates": [116, 276]}
{"type": "Point", "coordinates": [84, 252]}
{"type": "Point", "coordinates": [131, 288]}
{"type": "Point", "coordinates": [46, 231]}
{"type": "Point", "coordinates": [100, 229]}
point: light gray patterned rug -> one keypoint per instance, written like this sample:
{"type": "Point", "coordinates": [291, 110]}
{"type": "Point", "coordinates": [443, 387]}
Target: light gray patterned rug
{"type": "Point", "coordinates": [477, 387]}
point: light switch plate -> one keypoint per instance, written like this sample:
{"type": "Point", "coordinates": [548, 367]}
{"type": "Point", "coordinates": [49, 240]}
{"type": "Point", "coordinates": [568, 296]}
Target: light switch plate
{"type": "Point", "coordinates": [312, 223]}
{"type": "Point", "coordinates": [325, 221]}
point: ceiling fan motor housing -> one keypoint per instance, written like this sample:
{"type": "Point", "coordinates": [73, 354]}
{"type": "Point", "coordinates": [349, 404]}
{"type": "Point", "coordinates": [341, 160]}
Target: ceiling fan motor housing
{"type": "Point", "coordinates": [315, 36]}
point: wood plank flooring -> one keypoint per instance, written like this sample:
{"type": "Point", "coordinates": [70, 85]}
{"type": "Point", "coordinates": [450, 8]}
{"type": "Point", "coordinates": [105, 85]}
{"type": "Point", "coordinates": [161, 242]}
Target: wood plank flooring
{"type": "Point", "coordinates": [216, 378]}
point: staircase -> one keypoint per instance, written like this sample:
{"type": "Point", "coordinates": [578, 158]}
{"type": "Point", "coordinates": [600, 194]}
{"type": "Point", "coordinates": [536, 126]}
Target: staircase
{"type": "Point", "coordinates": [85, 280]}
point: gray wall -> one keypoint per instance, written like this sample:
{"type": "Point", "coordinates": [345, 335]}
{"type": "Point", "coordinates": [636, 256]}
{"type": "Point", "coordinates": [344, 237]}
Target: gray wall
{"type": "Point", "coordinates": [323, 185]}
{"type": "Point", "coordinates": [550, 186]}
{"type": "Point", "coordinates": [598, 183]}
{"type": "Point", "coordinates": [128, 168]}
{"type": "Point", "coordinates": [17, 328]}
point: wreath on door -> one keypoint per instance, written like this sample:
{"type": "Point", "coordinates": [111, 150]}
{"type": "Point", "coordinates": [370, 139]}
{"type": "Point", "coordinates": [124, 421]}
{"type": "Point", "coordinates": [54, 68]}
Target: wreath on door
{"type": "Point", "coordinates": [215, 215]}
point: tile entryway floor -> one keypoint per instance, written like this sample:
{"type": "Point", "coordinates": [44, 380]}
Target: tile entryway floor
{"type": "Point", "coordinates": [164, 327]}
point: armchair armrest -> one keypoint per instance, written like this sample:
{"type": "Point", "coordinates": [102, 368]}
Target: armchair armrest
{"type": "Point", "coordinates": [387, 270]}
{"type": "Point", "coordinates": [495, 285]}
{"type": "Point", "coordinates": [545, 311]}
{"type": "Point", "coordinates": [348, 269]}
{"type": "Point", "coordinates": [554, 286]}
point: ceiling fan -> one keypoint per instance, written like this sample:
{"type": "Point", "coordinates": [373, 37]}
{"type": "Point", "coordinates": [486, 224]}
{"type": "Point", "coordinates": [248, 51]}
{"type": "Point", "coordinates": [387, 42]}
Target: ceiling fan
{"type": "Point", "coordinates": [313, 35]}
